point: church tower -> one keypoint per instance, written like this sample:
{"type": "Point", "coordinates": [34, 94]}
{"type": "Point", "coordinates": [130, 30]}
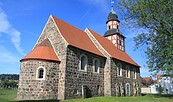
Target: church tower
{"type": "Point", "coordinates": [113, 30]}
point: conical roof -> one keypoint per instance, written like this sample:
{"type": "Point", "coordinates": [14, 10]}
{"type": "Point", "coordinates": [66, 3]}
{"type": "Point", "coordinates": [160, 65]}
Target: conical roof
{"type": "Point", "coordinates": [44, 51]}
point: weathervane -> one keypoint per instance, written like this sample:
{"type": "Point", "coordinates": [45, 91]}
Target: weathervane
{"type": "Point", "coordinates": [112, 5]}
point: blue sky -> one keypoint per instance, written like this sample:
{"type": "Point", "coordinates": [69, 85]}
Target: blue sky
{"type": "Point", "coordinates": [22, 21]}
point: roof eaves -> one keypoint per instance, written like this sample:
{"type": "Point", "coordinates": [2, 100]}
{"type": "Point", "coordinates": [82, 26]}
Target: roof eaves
{"type": "Point", "coordinates": [86, 51]}
{"type": "Point", "coordinates": [39, 59]}
{"type": "Point", "coordinates": [135, 64]}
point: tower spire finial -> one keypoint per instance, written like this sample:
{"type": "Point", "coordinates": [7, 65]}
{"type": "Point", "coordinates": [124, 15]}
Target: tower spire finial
{"type": "Point", "coordinates": [112, 5]}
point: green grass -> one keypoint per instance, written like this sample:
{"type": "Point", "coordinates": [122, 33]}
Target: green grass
{"type": "Point", "coordinates": [10, 95]}
{"type": "Point", "coordinates": [7, 95]}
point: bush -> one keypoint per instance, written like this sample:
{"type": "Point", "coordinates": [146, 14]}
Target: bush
{"type": "Point", "coordinates": [159, 89]}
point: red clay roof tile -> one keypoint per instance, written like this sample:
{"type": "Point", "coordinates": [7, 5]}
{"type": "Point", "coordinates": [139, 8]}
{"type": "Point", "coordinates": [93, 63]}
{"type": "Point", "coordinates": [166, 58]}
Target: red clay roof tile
{"type": "Point", "coordinates": [76, 37]}
{"type": "Point", "coordinates": [148, 79]}
{"type": "Point", "coordinates": [44, 51]}
{"type": "Point", "coordinates": [112, 50]}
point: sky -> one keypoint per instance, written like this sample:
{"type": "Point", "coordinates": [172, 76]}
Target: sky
{"type": "Point", "coordinates": [22, 21]}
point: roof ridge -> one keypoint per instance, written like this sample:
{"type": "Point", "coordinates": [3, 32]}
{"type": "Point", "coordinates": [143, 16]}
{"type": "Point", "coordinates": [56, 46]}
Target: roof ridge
{"type": "Point", "coordinates": [76, 37]}
{"type": "Point", "coordinates": [112, 50]}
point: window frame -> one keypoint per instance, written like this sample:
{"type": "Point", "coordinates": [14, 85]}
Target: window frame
{"type": "Point", "coordinates": [134, 73]}
{"type": "Point", "coordinates": [127, 72]}
{"type": "Point", "coordinates": [126, 89]}
{"type": "Point", "coordinates": [86, 62]}
{"type": "Point", "coordinates": [94, 63]}
{"type": "Point", "coordinates": [119, 69]}
{"type": "Point", "coordinates": [38, 73]}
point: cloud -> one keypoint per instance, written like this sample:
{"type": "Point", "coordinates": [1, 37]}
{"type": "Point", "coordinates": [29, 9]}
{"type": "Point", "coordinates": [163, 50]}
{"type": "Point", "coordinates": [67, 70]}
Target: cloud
{"type": "Point", "coordinates": [9, 62]}
{"type": "Point", "coordinates": [7, 28]}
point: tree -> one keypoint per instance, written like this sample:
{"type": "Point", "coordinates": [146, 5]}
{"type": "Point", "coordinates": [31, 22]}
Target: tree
{"type": "Point", "coordinates": [159, 89]}
{"type": "Point", "coordinates": [8, 84]}
{"type": "Point", "coordinates": [155, 17]}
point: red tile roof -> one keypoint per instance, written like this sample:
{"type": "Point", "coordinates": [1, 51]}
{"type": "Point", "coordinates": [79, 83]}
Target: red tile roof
{"type": "Point", "coordinates": [112, 50]}
{"type": "Point", "coordinates": [44, 51]}
{"type": "Point", "coordinates": [148, 79]}
{"type": "Point", "coordinates": [76, 37]}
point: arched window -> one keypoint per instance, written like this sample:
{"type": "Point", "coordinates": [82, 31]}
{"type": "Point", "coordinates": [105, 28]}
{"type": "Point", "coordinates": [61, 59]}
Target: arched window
{"type": "Point", "coordinates": [96, 65]}
{"type": "Point", "coordinates": [98, 90]}
{"type": "Point", "coordinates": [134, 73]}
{"type": "Point", "coordinates": [119, 69]}
{"type": "Point", "coordinates": [83, 62]}
{"type": "Point", "coordinates": [127, 72]}
{"type": "Point", "coordinates": [40, 75]}
{"type": "Point", "coordinates": [127, 89]}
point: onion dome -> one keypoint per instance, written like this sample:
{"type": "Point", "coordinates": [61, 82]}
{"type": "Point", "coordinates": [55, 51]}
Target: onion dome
{"type": "Point", "coordinates": [112, 16]}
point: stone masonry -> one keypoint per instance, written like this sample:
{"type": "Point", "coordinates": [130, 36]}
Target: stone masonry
{"type": "Point", "coordinates": [32, 89]}
{"type": "Point", "coordinates": [64, 80]}
{"type": "Point", "coordinates": [76, 78]}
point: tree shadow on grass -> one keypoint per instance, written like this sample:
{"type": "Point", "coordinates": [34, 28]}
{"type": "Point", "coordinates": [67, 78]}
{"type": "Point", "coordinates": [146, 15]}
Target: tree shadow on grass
{"type": "Point", "coordinates": [163, 95]}
{"type": "Point", "coordinates": [170, 96]}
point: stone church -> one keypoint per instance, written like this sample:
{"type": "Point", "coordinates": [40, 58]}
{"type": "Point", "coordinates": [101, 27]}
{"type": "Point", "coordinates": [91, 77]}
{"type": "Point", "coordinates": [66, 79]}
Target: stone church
{"type": "Point", "coordinates": [68, 63]}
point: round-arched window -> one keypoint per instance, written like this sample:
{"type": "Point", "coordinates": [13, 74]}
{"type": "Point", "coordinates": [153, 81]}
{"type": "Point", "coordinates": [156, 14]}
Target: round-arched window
{"type": "Point", "coordinates": [127, 72]}
{"type": "Point", "coordinates": [119, 69]}
{"type": "Point", "coordinates": [127, 89]}
{"type": "Point", "coordinates": [96, 64]}
{"type": "Point", "coordinates": [83, 62]}
{"type": "Point", "coordinates": [40, 73]}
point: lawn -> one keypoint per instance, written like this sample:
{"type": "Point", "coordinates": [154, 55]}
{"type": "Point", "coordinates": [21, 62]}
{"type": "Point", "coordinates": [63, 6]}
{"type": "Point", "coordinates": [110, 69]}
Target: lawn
{"type": "Point", "coordinates": [7, 95]}
{"type": "Point", "coordinates": [10, 95]}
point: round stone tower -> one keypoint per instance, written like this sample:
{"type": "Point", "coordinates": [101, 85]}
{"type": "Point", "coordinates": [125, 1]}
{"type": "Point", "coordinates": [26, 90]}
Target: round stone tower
{"type": "Point", "coordinates": [39, 74]}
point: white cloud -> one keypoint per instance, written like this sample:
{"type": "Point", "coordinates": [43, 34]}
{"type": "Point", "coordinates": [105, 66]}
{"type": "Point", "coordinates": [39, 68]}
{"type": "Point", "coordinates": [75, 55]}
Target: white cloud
{"type": "Point", "coordinates": [9, 62]}
{"type": "Point", "coordinates": [7, 28]}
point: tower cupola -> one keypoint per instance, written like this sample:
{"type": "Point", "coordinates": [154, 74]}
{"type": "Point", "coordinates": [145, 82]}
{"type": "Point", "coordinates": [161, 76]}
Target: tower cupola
{"type": "Point", "coordinates": [112, 16]}
{"type": "Point", "coordinates": [113, 31]}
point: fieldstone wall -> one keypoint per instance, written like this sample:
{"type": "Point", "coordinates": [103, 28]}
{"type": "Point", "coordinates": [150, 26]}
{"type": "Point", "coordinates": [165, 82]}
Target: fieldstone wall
{"type": "Point", "coordinates": [64, 80]}
{"type": "Point", "coordinates": [30, 88]}
{"type": "Point", "coordinates": [107, 67]}
{"type": "Point", "coordinates": [119, 82]}
{"type": "Point", "coordinates": [59, 44]}
{"type": "Point", "coordinates": [76, 79]}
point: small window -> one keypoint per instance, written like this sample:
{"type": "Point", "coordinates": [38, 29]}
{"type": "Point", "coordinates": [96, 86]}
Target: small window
{"type": "Point", "coordinates": [96, 65]}
{"type": "Point", "coordinates": [83, 63]}
{"type": "Point", "coordinates": [109, 27]}
{"type": "Point", "coordinates": [117, 27]}
{"type": "Point", "coordinates": [40, 73]}
{"type": "Point", "coordinates": [119, 69]}
{"type": "Point", "coordinates": [134, 73]}
{"type": "Point", "coordinates": [75, 92]}
{"type": "Point", "coordinates": [98, 90]}
{"type": "Point", "coordinates": [127, 72]}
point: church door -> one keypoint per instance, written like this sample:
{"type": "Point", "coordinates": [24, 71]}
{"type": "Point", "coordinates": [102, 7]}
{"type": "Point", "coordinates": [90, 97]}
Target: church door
{"type": "Point", "coordinates": [127, 89]}
{"type": "Point", "coordinates": [84, 91]}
